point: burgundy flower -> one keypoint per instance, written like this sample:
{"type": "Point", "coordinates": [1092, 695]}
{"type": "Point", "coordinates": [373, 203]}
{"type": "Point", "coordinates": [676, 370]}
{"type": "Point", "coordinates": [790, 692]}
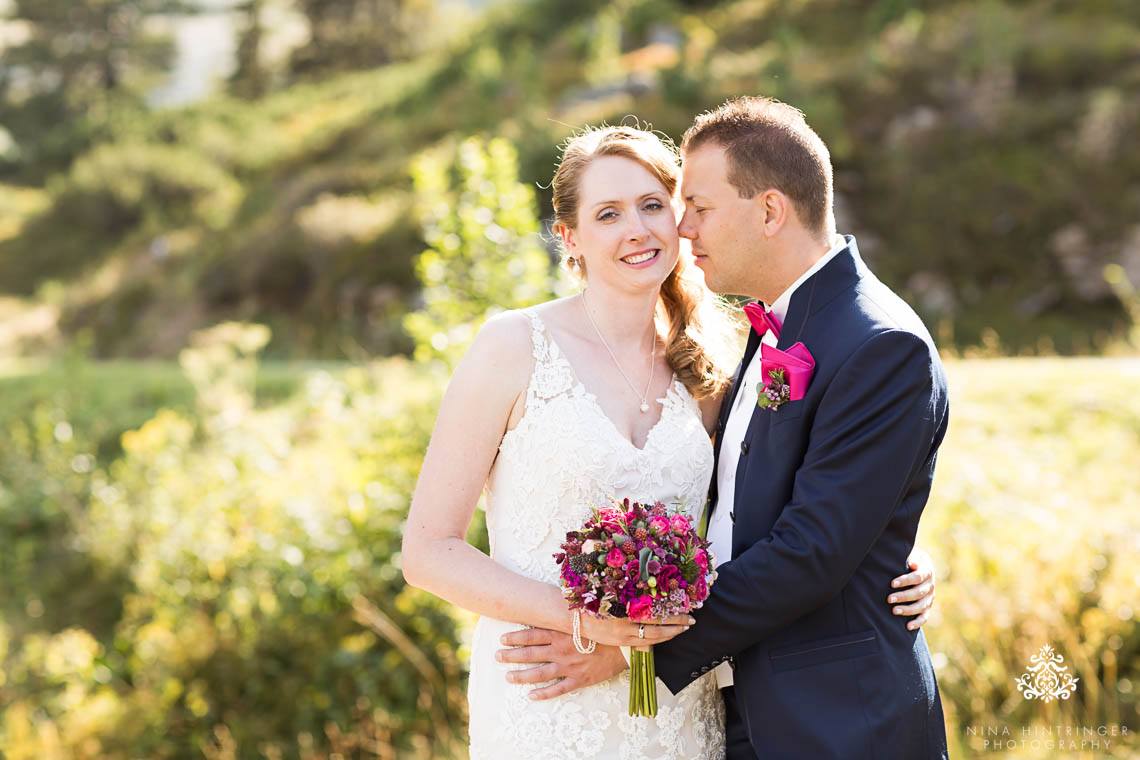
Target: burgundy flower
{"type": "Point", "coordinates": [667, 573]}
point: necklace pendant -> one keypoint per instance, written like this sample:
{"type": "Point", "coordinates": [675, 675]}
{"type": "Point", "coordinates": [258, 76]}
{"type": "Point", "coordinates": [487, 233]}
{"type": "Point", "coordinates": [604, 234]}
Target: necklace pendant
{"type": "Point", "coordinates": [644, 406]}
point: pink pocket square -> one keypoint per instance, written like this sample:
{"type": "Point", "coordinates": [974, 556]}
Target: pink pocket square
{"type": "Point", "coordinates": [787, 374]}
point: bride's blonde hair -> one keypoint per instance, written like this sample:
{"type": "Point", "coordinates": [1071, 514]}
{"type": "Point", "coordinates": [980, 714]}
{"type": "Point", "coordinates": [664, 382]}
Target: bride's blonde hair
{"type": "Point", "coordinates": [700, 342]}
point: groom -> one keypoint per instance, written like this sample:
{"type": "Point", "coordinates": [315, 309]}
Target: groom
{"type": "Point", "coordinates": [817, 501]}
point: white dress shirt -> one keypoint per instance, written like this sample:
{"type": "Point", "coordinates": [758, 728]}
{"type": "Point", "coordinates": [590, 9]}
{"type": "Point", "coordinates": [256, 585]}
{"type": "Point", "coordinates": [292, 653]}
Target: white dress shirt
{"type": "Point", "coordinates": [720, 525]}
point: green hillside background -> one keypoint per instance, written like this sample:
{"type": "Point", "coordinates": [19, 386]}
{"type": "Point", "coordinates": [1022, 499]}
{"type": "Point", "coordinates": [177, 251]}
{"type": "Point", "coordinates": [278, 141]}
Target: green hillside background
{"type": "Point", "coordinates": [225, 326]}
{"type": "Point", "coordinates": [985, 155]}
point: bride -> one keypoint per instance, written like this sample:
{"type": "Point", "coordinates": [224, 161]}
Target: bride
{"type": "Point", "coordinates": [612, 392]}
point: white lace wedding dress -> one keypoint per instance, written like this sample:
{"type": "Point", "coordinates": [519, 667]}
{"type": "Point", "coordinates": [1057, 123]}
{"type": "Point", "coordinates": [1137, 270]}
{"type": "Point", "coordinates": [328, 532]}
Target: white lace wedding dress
{"type": "Point", "coordinates": [564, 456]}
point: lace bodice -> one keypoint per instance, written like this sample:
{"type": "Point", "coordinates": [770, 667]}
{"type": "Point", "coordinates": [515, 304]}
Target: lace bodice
{"type": "Point", "coordinates": [564, 457]}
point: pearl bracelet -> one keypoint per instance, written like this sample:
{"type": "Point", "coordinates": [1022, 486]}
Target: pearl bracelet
{"type": "Point", "coordinates": [578, 636]}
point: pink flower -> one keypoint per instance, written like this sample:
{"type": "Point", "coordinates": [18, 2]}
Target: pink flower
{"type": "Point", "coordinates": [633, 569]}
{"type": "Point", "coordinates": [612, 519]}
{"type": "Point", "coordinates": [681, 525]}
{"type": "Point", "coordinates": [658, 524]}
{"type": "Point", "coordinates": [615, 558]}
{"type": "Point", "coordinates": [641, 608]}
{"type": "Point", "coordinates": [702, 560]}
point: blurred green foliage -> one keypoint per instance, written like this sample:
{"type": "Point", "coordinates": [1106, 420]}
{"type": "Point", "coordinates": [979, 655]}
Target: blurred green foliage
{"type": "Point", "coordinates": [362, 34]}
{"type": "Point", "coordinates": [236, 566]}
{"type": "Point", "coordinates": [981, 153]}
{"type": "Point", "coordinates": [485, 255]}
{"type": "Point", "coordinates": [69, 66]}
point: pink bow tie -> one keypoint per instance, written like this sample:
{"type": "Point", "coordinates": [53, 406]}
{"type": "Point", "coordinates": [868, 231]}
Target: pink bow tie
{"type": "Point", "coordinates": [762, 320]}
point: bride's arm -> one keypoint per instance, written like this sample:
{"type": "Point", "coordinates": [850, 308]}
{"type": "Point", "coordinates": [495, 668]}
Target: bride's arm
{"type": "Point", "coordinates": [486, 395]}
{"type": "Point", "coordinates": [710, 411]}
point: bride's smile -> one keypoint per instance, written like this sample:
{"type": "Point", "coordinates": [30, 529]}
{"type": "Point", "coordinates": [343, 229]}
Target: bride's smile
{"type": "Point", "coordinates": [626, 232]}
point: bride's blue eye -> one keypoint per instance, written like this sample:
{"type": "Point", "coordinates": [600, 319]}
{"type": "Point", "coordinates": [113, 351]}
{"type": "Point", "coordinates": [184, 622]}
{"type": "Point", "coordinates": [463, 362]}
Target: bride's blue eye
{"type": "Point", "coordinates": [654, 206]}
{"type": "Point", "coordinates": [607, 215]}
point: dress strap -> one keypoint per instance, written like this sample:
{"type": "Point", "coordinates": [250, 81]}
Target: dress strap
{"type": "Point", "coordinates": [552, 375]}
{"type": "Point", "coordinates": [538, 336]}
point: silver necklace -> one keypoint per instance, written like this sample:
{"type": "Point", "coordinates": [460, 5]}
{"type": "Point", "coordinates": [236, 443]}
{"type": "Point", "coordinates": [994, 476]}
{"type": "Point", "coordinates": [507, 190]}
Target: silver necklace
{"type": "Point", "coordinates": [644, 396]}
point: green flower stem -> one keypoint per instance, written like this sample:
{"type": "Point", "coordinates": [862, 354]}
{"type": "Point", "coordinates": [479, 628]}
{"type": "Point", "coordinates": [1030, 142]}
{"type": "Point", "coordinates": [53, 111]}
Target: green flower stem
{"type": "Point", "coordinates": [642, 684]}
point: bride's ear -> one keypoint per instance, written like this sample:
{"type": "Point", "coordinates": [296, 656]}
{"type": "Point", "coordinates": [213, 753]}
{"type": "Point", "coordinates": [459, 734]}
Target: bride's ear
{"type": "Point", "coordinates": [569, 239]}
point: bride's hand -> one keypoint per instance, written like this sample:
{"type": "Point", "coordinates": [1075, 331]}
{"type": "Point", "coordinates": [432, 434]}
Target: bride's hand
{"type": "Point", "coordinates": [622, 632]}
{"type": "Point", "coordinates": [920, 591]}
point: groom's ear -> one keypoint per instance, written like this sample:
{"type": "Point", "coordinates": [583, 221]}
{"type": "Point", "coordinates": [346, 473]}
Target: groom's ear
{"type": "Point", "coordinates": [775, 209]}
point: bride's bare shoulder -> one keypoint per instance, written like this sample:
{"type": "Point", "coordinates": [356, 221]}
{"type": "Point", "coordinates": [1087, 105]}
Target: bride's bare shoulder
{"type": "Point", "coordinates": [558, 313]}
{"type": "Point", "coordinates": [506, 339]}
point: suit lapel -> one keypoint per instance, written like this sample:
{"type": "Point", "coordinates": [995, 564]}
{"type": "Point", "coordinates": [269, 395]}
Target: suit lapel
{"type": "Point", "coordinates": [837, 275]}
{"type": "Point", "coordinates": [798, 312]}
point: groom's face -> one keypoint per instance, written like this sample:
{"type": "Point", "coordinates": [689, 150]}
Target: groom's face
{"type": "Point", "coordinates": [725, 229]}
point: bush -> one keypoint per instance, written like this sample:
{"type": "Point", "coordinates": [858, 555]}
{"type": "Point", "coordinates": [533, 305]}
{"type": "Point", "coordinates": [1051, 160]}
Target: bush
{"type": "Point", "coordinates": [257, 551]}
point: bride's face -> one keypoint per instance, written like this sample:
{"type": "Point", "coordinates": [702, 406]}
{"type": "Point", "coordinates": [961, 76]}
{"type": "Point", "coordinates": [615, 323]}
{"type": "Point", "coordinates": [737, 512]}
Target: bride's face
{"type": "Point", "coordinates": [627, 227]}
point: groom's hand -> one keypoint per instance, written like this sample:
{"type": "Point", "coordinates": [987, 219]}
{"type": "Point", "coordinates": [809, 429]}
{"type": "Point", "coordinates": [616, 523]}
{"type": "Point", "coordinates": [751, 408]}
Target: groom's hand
{"type": "Point", "coordinates": [555, 657]}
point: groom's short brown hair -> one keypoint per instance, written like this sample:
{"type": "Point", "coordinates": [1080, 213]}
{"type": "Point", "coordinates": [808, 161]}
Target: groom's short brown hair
{"type": "Point", "coordinates": [768, 144]}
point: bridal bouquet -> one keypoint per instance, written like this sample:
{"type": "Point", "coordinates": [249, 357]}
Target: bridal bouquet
{"type": "Point", "coordinates": [641, 562]}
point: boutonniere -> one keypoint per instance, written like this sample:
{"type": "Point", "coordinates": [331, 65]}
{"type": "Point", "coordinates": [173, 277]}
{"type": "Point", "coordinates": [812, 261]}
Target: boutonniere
{"type": "Point", "coordinates": [788, 375]}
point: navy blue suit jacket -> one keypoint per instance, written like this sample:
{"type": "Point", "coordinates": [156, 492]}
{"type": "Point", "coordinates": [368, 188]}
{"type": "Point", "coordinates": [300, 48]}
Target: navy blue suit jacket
{"type": "Point", "coordinates": [829, 491]}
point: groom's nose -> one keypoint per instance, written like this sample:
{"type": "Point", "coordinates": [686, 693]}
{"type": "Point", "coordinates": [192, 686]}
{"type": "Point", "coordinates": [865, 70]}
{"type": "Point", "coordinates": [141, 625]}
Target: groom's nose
{"type": "Point", "coordinates": [686, 228]}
